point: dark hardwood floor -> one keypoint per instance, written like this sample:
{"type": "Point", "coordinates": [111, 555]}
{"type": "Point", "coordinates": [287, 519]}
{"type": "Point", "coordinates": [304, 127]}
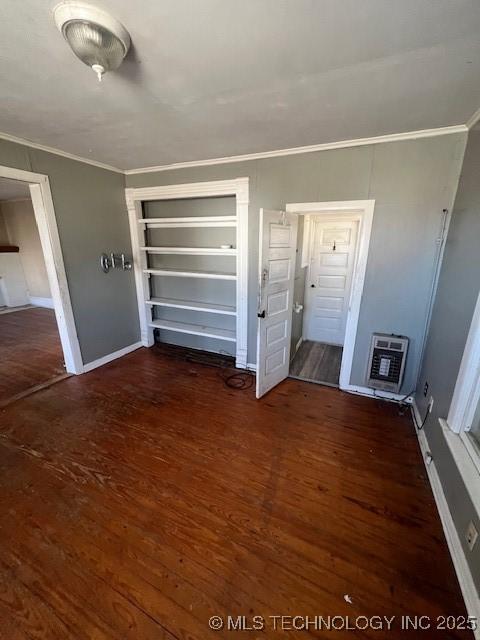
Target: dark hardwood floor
{"type": "Point", "coordinates": [145, 497]}
{"type": "Point", "coordinates": [30, 350]}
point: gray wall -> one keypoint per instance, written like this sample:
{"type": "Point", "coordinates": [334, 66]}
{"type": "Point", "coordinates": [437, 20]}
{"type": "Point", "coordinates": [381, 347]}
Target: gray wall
{"type": "Point", "coordinates": [91, 217]}
{"type": "Point", "coordinates": [457, 293]}
{"type": "Point", "coordinates": [411, 181]}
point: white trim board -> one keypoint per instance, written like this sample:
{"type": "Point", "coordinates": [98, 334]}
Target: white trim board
{"type": "Point", "coordinates": [52, 252]}
{"type": "Point", "coordinates": [474, 118]}
{"type": "Point", "coordinates": [466, 460]}
{"type": "Point", "coordinates": [464, 575]}
{"type": "Point", "coordinates": [238, 187]}
{"type": "Point", "coordinates": [467, 387]}
{"type": "Point", "coordinates": [57, 152]}
{"type": "Point", "coordinates": [297, 347]}
{"type": "Point", "coordinates": [111, 356]}
{"type": "Point", "coordinates": [47, 303]}
{"type": "Point", "coordinates": [342, 144]}
{"type": "Point", "coordinates": [363, 211]}
{"type": "Point", "coordinates": [377, 395]}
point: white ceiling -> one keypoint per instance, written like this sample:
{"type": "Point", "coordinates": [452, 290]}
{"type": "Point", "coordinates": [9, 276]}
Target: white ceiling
{"type": "Point", "coordinates": [13, 189]}
{"type": "Point", "coordinates": [212, 78]}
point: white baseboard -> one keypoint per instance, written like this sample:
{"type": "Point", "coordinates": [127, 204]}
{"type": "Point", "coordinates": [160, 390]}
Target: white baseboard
{"type": "Point", "coordinates": [417, 418]}
{"type": "Point", "coordinates": [111, 356]}
{"type": "Point", "coordinates": [41, 302]}
{"type": "Point", "coordinates": [251, 367]}
{"type": "Point", "coordinates": [378, 395]}
{"type": "Point", "coordinates": [464, 575]}
{"type": "Point", "coordinates": [293, 352]}
{"type": "Point", "coordinates": [297, 346]}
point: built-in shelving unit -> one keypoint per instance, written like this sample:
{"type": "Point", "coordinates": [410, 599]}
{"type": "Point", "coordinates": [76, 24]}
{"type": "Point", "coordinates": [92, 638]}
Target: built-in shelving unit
{"type": "Point", "coordinates": [148, 266]}
{"type": "Point", "coordinates": [195, 329]}
{"type": "Point", "coordinates": [191, 305]}
{"type": "Point", "coordinates": [190, 251]}
{"type": "Point", "coordinates": [196, 221]}
{"type": "Point", "coordinates": [177, 273]}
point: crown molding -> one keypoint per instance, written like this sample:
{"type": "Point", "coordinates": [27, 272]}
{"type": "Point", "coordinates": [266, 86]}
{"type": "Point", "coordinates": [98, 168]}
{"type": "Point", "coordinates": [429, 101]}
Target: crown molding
{"type": "Point", "coordinates": [342, 144]}
{"type": "Point", "coordinates": [58, 152]}
{"type": "Point", "coordinates": [358, 142]}
{"type": "Point", "coordinates": [474, 118]}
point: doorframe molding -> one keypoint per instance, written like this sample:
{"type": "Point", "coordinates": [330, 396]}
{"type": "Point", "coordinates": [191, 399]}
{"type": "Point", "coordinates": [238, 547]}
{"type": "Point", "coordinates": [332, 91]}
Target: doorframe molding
{"type": "Point", "coordinates": [44, 211]}
{"type": "Point", "coordinates": [238, 187]}
{"type": "Point", "coordinates": [363, 210]}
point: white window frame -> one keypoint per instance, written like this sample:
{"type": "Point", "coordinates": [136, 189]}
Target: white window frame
{"type": "Point", "coordinates": [238, 187]}
{"type": "Point", "coordinates": [467, 389]}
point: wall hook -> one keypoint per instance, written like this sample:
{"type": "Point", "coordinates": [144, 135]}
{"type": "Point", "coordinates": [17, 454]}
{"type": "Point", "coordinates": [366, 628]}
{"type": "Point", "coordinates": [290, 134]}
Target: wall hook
{"type": "Point", "coordinates": [108, 262]}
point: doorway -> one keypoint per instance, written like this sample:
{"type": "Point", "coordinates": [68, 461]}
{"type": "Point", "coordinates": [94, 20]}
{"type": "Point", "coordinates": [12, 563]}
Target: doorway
{"type": "Point", "coordinates": [332, 243]}
{"type": "Point", "coordinates": [38, 338]}
{"type": "Point", "coordinates": [29, 338]}
{"type": "Point", "coordinates": [336, 237]}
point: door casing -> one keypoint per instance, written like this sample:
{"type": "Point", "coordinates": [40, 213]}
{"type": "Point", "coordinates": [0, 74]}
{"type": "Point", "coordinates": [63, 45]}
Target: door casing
{"type": "Point", "coordinates": [45, 219]}
{"type": "Point", "coordinates": [361, 210]}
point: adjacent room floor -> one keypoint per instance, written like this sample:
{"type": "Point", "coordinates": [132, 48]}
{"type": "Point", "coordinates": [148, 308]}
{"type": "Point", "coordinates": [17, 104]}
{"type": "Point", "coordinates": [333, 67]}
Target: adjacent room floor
{"type": "Point", "coordinates": [31, 352]}
{"type": "Point", "coordinates": [145, 497]}
{"type": "Point", "coordinates": [317, 362]}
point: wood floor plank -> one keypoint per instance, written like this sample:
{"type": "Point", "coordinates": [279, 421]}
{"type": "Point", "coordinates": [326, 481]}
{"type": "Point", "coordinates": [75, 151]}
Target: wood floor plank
{"type": "Point", "coordinates": [31, 351]}
{"type": "Point", "coordinates": [317, 362]}
{"type": "Point", "coordinates": [144, 497]}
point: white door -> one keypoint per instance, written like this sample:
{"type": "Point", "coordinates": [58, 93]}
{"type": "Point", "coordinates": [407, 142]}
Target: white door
{"type": "Point", "coordinates": [329, 280]}
{"type": "Point", "coordinates": [278, 243]}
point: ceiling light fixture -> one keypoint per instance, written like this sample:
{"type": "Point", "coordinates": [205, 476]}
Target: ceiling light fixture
{"type": "Point", "coordinates": [98, 39]}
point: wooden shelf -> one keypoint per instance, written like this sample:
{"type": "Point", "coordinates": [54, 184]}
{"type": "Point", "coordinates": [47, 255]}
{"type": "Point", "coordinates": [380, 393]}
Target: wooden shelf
{"type": "Point", "coordinates": [195, 329]}
{"type": "Point", "coordinates": [178, 273]}
{"type": "Point", "coordinates": [195, 221]}
{"type": "Point", "coordinates": [191, 305]}
{"type": "Point", "coordinates": [191, 251]}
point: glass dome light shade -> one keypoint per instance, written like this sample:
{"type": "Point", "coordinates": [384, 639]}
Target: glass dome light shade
{"type": "Point", "coordinates": [97, 38]}
{"type": "Point", "coordinates": [94, 44]}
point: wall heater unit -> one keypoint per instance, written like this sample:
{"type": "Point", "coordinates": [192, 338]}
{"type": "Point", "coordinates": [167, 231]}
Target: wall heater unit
{"type": "Point", "coordinates": [386, 364]}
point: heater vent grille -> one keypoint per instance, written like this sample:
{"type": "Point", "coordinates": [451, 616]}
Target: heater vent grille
{"type": "Point", "coordinates": [386, 364]}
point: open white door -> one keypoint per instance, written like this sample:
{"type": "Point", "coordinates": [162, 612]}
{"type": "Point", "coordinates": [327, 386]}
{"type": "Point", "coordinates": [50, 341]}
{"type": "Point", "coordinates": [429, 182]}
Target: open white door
{"type": "Point", "coordinates": [278, 243]}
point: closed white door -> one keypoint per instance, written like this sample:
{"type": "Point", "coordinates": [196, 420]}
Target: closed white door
{"type": "Point", "coordinates": [329, 280]}
{"type": "Point", "coordinates": [277, 248]}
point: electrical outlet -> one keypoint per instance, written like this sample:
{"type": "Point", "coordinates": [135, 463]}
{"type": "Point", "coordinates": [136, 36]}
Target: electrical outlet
{"type": "Point", "coordinates": [430, 404]}
{"type": "Point", "coordinates": [471, 535]}
{"type": "Point", "coordinates": [425, 389]}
